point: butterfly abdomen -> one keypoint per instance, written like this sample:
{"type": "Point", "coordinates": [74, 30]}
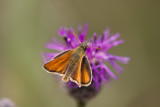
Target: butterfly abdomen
{"type": "Point", "coordinates": [72, 66]}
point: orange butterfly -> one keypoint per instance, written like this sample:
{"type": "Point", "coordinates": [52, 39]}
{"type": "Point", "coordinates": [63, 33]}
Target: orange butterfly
{"type": "Point", "coordinates": [72, 65]}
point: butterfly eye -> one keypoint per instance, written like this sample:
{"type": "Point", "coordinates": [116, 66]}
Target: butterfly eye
{"type": "Point", "coordinates": [85, 48]}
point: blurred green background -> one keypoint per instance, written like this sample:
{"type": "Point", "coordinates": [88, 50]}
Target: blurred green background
{"type": "Point", "coordinates": [26, 25]}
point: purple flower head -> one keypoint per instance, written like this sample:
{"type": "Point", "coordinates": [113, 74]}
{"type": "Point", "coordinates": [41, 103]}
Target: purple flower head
{"type": "Point", "coordinates": [100, 71]}
{"type": "Point", "coordinates": [5, 102]}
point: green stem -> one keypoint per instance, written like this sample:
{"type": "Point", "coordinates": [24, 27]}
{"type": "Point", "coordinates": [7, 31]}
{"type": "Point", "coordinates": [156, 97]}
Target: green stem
{"type": "Point", "coordinates": [80, 104]}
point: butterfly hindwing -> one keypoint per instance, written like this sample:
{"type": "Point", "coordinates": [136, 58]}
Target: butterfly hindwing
{"type": "Point", "coordinates": [59, 63]}
{"type": "Point", "coordinates": [76, 76]}
{"type": "Point", "coordinates": [86, 72]}
{"type": "Point", "coordinates": [82, 73]}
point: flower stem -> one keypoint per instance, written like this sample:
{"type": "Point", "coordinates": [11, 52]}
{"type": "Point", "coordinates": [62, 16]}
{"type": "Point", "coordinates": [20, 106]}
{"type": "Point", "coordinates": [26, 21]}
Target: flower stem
{"type": "Point", "coordinates": [80, 104]}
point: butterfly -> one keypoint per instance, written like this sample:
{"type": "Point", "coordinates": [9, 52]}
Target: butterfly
{"type": "Point", "coordinates": [72, 65]}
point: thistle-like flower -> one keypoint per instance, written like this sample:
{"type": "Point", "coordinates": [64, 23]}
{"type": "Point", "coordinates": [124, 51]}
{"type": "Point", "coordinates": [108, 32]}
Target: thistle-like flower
{"type": "Point", "coordinates": [5, 102]}
{"type": "Point", "coordinates": [100, 72]}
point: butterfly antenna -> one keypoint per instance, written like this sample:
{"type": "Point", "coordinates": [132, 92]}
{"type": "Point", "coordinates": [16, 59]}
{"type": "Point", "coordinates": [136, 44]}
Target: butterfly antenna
{"type": "Point", "coordinates": [95, 47]}
{"type": "Point", "coordinates": [76, 37]}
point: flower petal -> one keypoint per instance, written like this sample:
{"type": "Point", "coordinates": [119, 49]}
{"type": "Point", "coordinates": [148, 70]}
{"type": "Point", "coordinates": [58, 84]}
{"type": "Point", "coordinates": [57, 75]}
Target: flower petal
{"type": "Point", "coordinates": [82, 33]}
{"type": "Point", "coordinates": [109, 72]}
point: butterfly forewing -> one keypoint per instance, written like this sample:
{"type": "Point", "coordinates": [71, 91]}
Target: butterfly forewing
{"type": "Point", "coordinates": [86, 72]}
{"type": "Point", "coordinates": [59, 55]}
{"type": "Point", "coordinates": [59, 63]}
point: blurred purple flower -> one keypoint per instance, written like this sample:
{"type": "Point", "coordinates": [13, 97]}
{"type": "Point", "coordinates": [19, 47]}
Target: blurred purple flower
{"type": "Point", "coordinates": [5, 102]}
{"type": "Point", "coordinates": [101, 72]}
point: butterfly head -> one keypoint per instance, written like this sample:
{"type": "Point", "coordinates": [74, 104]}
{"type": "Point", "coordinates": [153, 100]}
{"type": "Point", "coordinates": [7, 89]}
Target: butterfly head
{"type": "Point", "coordinates": [84, 45]}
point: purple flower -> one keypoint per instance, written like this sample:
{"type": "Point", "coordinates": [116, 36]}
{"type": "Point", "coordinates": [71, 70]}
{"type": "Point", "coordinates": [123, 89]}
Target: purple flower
{"type": "Point", "coordinates": [5, 102]}
{"type": "Point", "coordinates": [101, 72]}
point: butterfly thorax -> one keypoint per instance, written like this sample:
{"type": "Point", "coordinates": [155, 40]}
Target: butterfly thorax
{"type": "Point", "coordinates": [84, 45]}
